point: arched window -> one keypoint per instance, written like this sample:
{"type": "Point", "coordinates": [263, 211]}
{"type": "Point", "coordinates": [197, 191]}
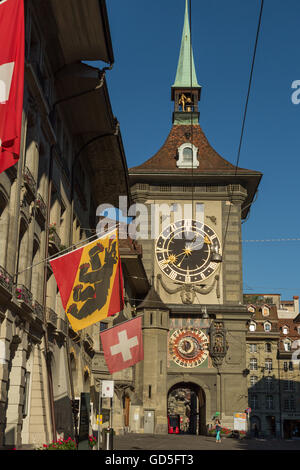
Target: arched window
{"type": "Point", "coordinates": [287, 344]}
{"type": "Point", "coordinates": [252, 326]}
{"type": "Point", "coordinates": [265, 311]}
{"type": "Point", "coordinates": [267, 326]}
{"type": "Point", "coordinates": [268, 347]}
{"type": "Point", "coordinates": [187, 156]}
{"type": "Point", "coordinates": [268, 364]}
{"type": "Point", "coordinates": [269, 383]}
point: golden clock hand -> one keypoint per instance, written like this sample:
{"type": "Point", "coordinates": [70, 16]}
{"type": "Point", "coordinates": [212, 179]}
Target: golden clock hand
{"type": "Point", "coordinates": [181, 261]}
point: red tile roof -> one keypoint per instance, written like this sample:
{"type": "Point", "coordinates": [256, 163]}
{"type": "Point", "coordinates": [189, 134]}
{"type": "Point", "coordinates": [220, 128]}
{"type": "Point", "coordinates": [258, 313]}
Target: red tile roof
{"type": "Point", "coordinates": [209, 159]}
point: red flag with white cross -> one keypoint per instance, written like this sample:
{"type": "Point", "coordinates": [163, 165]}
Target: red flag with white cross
{"type": "Point", "coordinates": [12, 45]}
{"type": "Point", "coordinates": [123, 345]}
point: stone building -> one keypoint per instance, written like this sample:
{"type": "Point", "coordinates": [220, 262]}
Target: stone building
{"type": "Point", "coordinates": [194, 320]}
{"type": "Point", "coordinates": [273, 365]}
{"type": "Point", "coordinates": [72, 159]}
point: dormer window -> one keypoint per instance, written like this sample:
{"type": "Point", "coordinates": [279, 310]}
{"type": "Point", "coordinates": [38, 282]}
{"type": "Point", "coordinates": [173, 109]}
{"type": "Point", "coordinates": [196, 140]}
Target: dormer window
{"type": "Point", "coordinates": [285, 330]}
{"type": "Point", "coordinates": [267, 326]}
{"type": "Point", "coordinates": [252, 326]}
{"type": "Point", "coordinates": [287, 344]}
{"type": "Point", "coordinates": [251, 309]}
{"type": "Point", "coordinates": [265, 311]}
{"type": "Point", "coordinates": [187, 156]}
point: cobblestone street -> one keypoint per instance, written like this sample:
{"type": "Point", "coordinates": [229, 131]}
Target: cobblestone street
{"type": "Point", "coordinates": [191, 442]}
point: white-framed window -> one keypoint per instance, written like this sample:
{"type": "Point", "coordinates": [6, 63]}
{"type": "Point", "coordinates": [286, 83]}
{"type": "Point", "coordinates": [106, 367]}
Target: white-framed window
{"type": "Point", "coordinates": [287, 344]}
{"type": "Point", "coordinates": [285, 330]}
{"type": "Point", "coordinates": [288, 386]}
{"type": "Point", "coordinates": [253, 363]}
{"type": "Point", "coordinates": [267, 326]}
{"type": "Point", "coordinates": [269, 402]}
{"type": "Point", "coordinates": [251, 309]}
{"type": "Point", "coordinates": [253, 399]}
{"type": "Point", "coordinates": [268, 364]}
{"type": "Point", "coordinates": [253, 348]}
{"type": "Point", "coordinates": [252, 326]}
{"type": "Point", "coordinates": [289, 403]}
{"type": "Point", "coordinates": [269, 383]}
{"type": "Point", "coordinates": [187, 156]}
{"type": "Point", "coordinates": [265, 311]}
{"type": "Point", "coordinates": [253, 380]}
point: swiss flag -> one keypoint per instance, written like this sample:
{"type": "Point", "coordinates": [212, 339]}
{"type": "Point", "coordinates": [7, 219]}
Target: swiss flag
{"type": "Point", "coordinates": [12, 40]}
{"type": "Point", "coordinates": [123, 345]}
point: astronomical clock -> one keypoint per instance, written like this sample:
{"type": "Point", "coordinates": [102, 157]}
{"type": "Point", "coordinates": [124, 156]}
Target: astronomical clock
{"type": "Point", "coordinates": [188, 347]}
{"type": "Point", "coordinates": [188, 252]}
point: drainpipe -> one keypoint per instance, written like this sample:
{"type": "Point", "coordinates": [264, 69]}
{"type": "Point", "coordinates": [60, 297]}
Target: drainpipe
{"type": "Point", "coordinates": [48, 360]}
{"type": "Point", "coordinates": [279, 392]}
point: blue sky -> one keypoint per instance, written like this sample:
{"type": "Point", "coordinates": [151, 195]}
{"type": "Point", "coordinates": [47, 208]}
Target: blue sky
{"type": "Point", "coordinates": [146, 39]}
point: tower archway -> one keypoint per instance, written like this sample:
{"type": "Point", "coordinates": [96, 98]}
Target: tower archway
{"type": "Point", "coordinates": [187, 401]}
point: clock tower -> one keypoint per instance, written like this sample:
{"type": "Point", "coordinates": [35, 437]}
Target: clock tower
{"type": "Point", "coordinates": [195, 201]}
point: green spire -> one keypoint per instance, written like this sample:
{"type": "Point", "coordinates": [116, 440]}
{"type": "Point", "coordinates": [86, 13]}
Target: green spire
{"type": "Point", "coordinates": [184, 69]}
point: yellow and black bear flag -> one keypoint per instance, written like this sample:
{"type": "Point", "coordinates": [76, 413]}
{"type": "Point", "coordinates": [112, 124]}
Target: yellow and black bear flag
{"type": "Point", "coordinates": [90, 281]}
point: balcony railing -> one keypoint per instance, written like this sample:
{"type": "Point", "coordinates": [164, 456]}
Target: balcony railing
{"type": "Point", "coordinates": [51, 317]}
{"type": "Point", "coordinates": [6, 280]}
{"type": "Point", "coordinates": [88, 344]}
{"type": "Point", "coordinates": [62, 327]}
{"type": "Point", "coordinates": [29, 180]}
{"type": "Point", "coordinates": [23, 294]}
{"type": "Point", "coordinates": [41, 206]}
{"type": "Point", "coordinates": [38, 310]}
{"type": "Point", "coordinates": [54, 239]}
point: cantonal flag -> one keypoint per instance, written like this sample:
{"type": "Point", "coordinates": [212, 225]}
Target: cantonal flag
{"type": "Point", "coordinates": [90, 281]}
{"type": "Point", "coordinates": [12, 40]}
{"type": "Point", "coordinates": [123, 345]}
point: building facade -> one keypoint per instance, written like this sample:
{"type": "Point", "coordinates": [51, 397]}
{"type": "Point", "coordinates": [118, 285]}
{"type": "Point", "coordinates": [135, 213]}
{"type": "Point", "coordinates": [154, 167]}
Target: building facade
{"type": "Point", "coordinates": [72, 159]}
{"type": "Point", "coordinates": [195, 323]}
{"type": "Point", "coordinates": [273, 366]}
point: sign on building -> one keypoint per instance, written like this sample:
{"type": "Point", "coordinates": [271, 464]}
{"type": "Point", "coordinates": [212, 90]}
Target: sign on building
{"type": "Point", "coordinates": [240, 422]}
{"type": "Point", "coordinates": [107, 389]}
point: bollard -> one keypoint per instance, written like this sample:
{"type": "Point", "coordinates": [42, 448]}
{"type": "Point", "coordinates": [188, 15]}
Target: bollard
{"type": "Point", "coordinates": [107, 439]}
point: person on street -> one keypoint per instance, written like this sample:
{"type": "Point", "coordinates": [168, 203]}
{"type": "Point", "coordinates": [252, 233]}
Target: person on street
{"type": "Point", "coordinates": [218, 431]}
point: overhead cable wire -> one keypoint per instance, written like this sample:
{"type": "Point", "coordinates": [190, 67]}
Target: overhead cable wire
{"type": "Point", "coordinates": [245, 114]}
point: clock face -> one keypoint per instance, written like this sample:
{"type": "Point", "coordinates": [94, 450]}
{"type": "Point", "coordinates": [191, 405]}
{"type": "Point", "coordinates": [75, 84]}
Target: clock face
{"type": "Point", "coordinates": [183, 251]}
{"type": "Point", "coordinates": [188, 347]}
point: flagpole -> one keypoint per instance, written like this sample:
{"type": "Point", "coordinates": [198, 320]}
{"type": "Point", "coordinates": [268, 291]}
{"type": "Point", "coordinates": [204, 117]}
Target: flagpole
{"type": "Point", "coordinates": [99, 414]}
{"type": "Point", "coordinates": [66, 251]}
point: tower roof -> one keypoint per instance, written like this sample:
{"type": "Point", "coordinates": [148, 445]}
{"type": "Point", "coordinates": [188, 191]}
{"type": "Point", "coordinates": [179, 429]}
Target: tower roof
{"type": "Point", "coordinates": [186, 73]}
{"type": "Point", "coordinates": [213, 169]}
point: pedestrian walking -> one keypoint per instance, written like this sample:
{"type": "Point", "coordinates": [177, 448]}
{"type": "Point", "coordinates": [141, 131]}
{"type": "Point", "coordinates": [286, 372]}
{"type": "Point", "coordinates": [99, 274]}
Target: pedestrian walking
{"type": "Point", "coordinates": [218, 431]}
